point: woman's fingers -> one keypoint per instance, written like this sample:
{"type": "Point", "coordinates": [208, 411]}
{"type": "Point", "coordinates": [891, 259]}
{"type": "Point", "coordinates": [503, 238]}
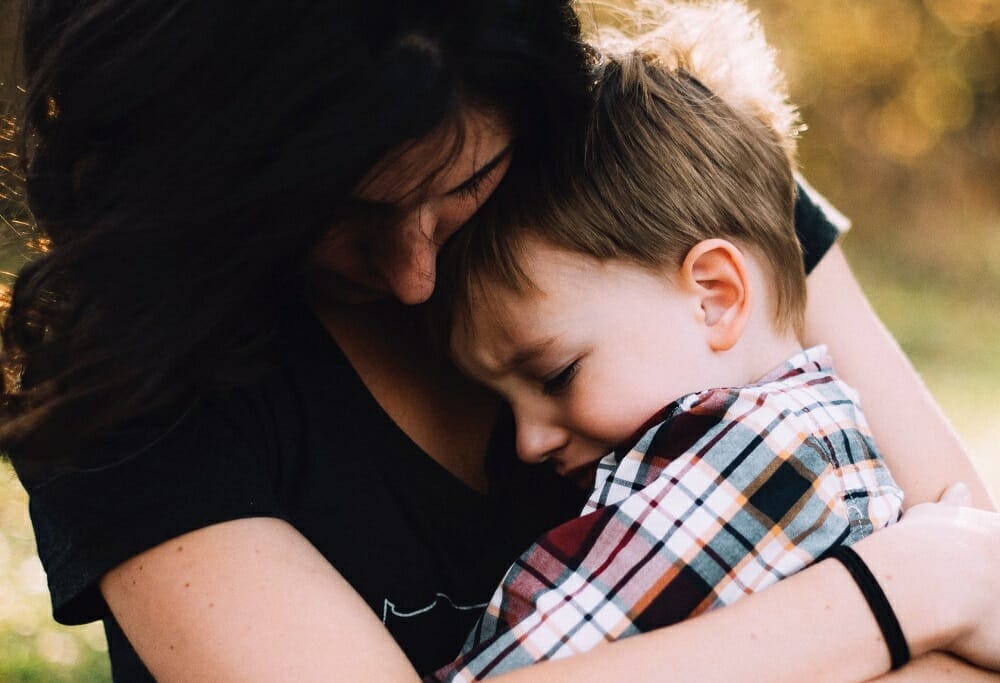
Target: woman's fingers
{"type": "Point", "coordinates": [938, 567]}
{"type": "Point", "coordinates": [957, 494]}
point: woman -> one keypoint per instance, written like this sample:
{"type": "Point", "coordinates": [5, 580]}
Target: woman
{"type": "Point", "coordinates": [234, 434]}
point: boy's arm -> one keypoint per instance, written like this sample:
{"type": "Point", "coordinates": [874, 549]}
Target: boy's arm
{"type": "Point", "coordinates": [923, 451]}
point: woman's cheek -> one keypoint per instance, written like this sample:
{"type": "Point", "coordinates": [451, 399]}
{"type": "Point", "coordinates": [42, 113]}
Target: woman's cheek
{"type": "Point", "coordinates": [451, 217]}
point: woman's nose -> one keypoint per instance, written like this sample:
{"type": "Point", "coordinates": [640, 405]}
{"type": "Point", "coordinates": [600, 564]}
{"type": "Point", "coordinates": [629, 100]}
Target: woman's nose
{"type": "Point", "coordinates": [538, 439]}
{"type": "Point", "coordinates": [409, 266]}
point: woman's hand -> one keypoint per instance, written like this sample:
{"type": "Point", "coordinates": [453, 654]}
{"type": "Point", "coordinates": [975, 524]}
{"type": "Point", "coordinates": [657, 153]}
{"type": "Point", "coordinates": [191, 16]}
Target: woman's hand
{"type": "Point", "coordinates": [971, 578]}
{"type": "Point", "coordinates": [953, 602]}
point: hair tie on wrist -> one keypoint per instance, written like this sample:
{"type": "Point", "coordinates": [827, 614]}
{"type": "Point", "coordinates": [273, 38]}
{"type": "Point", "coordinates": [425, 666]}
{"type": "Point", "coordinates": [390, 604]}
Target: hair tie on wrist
{"type": "Point", "coordinates": [899, 651]}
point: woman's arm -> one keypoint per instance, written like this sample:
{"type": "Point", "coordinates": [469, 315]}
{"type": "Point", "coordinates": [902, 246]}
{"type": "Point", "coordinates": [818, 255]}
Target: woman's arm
{"type": "Point", "coordinates": [248, 600]}
{"type": "Point", "coordinates": [943, 666]}
{"type": "Point", "coordinates": [940, 666]}
{"type": "Point", "coordinates": [816, 626]}
{"type": "Point", "coordinates": [921, 447]}
{"type": "Point", "coordinates": [251, 600]}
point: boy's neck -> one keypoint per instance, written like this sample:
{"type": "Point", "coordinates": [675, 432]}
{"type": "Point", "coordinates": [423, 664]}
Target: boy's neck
{"type": "Point", "coordinates": [760, 351]}
{"type": "Point", "coordinates": [764, 344]}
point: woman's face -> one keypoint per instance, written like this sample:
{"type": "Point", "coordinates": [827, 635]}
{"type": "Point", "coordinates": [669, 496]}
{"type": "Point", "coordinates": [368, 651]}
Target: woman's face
{"type": "Point", "coordinates": [405, 209]}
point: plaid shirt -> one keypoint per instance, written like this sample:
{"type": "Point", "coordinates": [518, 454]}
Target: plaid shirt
{"type": "Point", "coordinates": [729, 491]}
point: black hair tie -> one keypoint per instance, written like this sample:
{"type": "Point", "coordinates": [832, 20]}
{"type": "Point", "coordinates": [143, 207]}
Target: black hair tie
{"type": "Point", "coordinates": [899, 651]}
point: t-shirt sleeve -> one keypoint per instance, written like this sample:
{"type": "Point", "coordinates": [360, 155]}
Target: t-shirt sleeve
{"type": "Point", "coordinates": [205, 468]}
{"type": "Point", "coordinates": [817, 223]}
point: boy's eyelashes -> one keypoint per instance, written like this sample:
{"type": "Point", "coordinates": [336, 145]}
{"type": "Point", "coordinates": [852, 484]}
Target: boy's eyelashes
{"type": "Point", "coordinates": [557, 383]}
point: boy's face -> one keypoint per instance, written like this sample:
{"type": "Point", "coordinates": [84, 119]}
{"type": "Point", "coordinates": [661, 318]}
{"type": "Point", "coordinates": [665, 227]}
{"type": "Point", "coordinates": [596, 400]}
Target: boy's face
{"type": "Point", "coordinates": [586, 359]}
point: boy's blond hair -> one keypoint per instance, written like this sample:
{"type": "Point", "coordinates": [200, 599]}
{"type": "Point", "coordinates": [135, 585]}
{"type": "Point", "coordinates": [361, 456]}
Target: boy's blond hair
{"type": "Point", "coordinates": [690, 138]}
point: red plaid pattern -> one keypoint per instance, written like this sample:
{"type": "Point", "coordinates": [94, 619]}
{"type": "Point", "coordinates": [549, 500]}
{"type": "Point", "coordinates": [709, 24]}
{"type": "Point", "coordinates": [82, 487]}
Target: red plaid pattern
{"type": "Point", "coordinates": [728, 492]}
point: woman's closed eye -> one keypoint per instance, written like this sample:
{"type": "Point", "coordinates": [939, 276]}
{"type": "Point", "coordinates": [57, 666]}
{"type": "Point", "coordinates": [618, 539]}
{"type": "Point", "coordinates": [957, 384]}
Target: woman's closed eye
{"type": "Point", "coordinates": [487, 174]}
{"type": "Point", "coordinates": [472, 187]}
{"type": "Point", "coordinates": [559, 382]}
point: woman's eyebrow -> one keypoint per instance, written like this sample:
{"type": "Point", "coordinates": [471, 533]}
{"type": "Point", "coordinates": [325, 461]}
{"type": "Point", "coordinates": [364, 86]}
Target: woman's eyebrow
{"type": "Point", "coordinates": [482, 171]}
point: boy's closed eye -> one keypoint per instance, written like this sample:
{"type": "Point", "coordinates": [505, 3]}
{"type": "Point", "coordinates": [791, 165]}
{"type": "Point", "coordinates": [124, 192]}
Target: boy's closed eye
{"type": "Point", "coordinates": [558, 382]}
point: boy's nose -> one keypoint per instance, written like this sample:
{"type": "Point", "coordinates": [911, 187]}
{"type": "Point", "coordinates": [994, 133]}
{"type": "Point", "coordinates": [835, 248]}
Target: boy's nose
{"type": "Point", "coordinates": [537, 441]}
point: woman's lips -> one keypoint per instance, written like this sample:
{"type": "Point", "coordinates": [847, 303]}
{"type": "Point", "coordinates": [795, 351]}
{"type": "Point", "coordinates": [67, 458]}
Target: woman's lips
{"type": "Point", "coordinates": [351, 290]}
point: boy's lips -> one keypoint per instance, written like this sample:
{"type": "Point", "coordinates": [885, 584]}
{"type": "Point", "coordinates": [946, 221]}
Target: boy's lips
{"type": "Point", "coordinates": [581, 475]}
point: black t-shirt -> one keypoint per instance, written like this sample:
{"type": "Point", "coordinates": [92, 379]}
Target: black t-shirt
{"type": "Point", "coordinates": [310, 445]}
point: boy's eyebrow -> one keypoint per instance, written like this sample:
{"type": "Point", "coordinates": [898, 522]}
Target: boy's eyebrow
{"type": "Point", "coordinates": [483, 170]}
{"type": "Point", "coordinates": [522, 355]}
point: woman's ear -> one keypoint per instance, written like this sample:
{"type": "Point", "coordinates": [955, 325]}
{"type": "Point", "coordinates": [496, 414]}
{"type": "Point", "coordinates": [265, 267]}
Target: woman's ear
{"type": "Point", "coordinates": [717, 272]}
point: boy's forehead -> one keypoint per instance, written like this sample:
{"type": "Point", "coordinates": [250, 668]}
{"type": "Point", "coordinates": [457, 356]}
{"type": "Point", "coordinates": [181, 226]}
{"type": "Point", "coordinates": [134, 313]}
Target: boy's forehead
{"type": "Point", "coordinates": [500, 325]}
{"type": "Point", "coordinates": [491, 316]}
{"type": "Point", "coordinates": [498, 313]}
{"type": "Point", "coordinates": [496, 322]}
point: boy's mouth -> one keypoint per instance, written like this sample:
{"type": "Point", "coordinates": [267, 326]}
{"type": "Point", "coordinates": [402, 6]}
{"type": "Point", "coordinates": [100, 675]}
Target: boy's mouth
{"type": "Point", "coordinates": [582, 476]}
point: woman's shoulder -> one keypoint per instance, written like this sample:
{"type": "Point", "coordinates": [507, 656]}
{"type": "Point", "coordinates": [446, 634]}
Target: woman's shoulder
{"type": "Point", "coordinates": [229, 453]}
{"type": "Point", "coordinates": [818, 224]}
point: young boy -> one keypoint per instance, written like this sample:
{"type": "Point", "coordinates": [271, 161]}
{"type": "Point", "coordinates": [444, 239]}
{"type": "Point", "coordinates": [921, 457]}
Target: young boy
{"type": "Point", "coordinates": [666, 263]}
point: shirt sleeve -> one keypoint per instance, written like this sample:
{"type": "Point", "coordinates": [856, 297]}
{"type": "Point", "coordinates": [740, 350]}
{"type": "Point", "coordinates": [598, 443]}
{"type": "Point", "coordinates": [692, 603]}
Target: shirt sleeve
{"type": "Point", "coordinates": [156, 484]}
{"type": "Point", "coordinates": [818, 224]}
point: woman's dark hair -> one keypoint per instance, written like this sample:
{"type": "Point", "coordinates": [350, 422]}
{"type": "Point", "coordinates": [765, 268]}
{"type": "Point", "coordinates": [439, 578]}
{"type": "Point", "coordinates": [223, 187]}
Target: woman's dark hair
{"type": "Point", "coordinates": [183, 156]}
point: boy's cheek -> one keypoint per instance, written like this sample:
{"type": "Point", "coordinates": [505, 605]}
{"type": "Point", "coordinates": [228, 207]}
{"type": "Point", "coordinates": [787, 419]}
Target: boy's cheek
{"type": "Point", "coordinates": [614, 417]}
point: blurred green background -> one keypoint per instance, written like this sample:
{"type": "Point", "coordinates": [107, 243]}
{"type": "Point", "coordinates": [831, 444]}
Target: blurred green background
{"type": "Point", "coordinates": [902, 102]}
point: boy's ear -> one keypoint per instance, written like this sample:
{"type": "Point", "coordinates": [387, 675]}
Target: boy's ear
{"type": "Point", "coordinates": [717, 272]}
